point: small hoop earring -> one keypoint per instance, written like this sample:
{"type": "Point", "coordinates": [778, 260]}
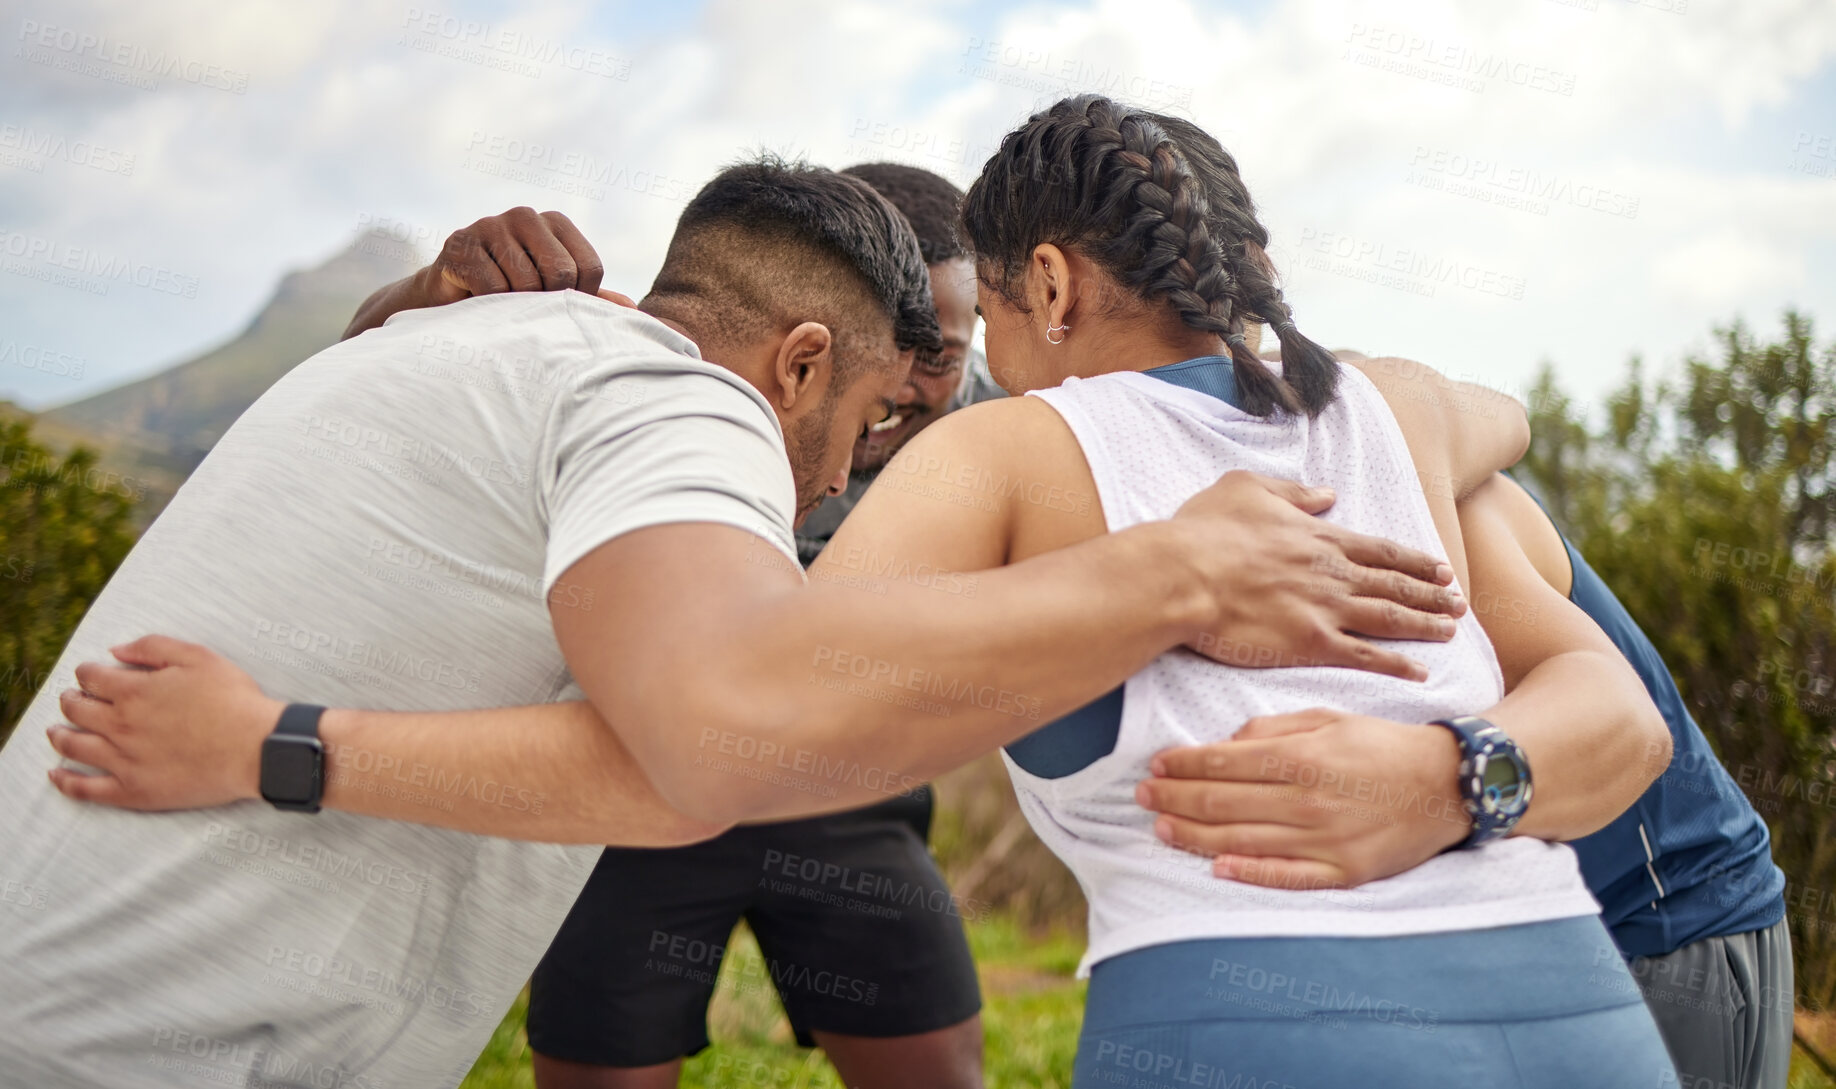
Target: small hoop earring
{"type": "Point", "coordinates": [1061, 330]}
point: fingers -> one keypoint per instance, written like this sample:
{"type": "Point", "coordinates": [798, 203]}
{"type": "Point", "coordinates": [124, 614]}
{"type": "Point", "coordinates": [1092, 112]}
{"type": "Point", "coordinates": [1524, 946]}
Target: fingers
{"type": "Point", "coordinates": [1381, 552]}
{"type": "Point", "coordinates": [588, 269]}
{"type": "Point", "coordinates": [1215, 803]}
{"type": "Point", "coordinates": [1260, 760]}
{"type": "Point", "coordinates": [96, 716]}
{"type": "Point", "coordinates": [159, 651]}
{"type": "Point", "coordinates": [1406, 590]}
{"type": "Point", "coordinates": [615, 297]}
{"type": "Point", "coordinates": [1380, 619]}
{"type": "Point", "coordinates": [111, 683]}
{"type": "Point", "coordinates": [83, 747]}
{"type": "Point", "coordinates": [1282, 725]}
{"type": "Point", "coordinates": [1257, 840]}
{"type": "Point", "coordinates": [1280, 873]}
{"type": "Point", "coordinates": [101, 789]}
{"type": "Point", "coordinates": [513, 262]}
{"type": "Point", "coordinates": [466, 267]}
{"type": "Point", "coordinates": [1310, 499]}
{"type": "Point", "coordinates": [1352, 652]}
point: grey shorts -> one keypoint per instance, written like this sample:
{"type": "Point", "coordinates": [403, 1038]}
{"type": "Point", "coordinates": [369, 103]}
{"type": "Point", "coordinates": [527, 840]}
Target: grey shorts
{"type": "Point", "coordinates": [1723, 1006]}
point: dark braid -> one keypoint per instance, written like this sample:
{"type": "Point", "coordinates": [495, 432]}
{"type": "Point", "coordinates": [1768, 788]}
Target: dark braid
{"type": "Point", "coordinates": [1121, 187]}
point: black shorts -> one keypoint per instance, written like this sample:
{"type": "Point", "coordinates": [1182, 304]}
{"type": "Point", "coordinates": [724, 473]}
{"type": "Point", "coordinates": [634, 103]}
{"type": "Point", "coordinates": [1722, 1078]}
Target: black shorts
{"type": "Point", "coordinates": [859, 933]}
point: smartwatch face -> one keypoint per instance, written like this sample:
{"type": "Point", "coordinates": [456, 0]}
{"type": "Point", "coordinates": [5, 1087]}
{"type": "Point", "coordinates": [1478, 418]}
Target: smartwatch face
{"type": "Point", "coordinates": [290, 769]}
{"type": "Point", "coordinates": [1501, 783]}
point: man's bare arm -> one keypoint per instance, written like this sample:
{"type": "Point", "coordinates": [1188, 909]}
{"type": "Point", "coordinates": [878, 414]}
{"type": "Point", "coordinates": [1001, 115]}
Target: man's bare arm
{"type": "Point", "coordinates": [740, 701]}
{"type": "Point", "coordinates": [1591, 756]}
{"type": "Point", "coordinates": [514, 772]}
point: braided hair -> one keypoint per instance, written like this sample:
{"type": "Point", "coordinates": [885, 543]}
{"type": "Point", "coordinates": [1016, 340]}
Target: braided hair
{"type": "Point", "coordinates": [1158, 204]}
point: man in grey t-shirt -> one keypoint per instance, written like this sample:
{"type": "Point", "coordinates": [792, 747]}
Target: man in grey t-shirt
{"type": "Point", "coordinates": [388, 527]}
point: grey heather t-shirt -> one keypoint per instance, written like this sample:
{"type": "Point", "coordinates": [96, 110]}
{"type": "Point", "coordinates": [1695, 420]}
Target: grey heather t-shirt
{"type": "Point", "coordinates": [383, 529]}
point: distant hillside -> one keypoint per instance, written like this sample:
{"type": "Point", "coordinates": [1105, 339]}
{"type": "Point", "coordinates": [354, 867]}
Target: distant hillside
{"type": "Point", "coordinates": [158, 429]}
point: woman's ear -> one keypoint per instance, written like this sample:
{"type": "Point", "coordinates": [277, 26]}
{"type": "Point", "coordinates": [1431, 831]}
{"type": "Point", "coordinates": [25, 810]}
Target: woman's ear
{"type": "Point", "coordinates": [1051, 286]}
{"type": "Point", "coordinates": [805, 363]}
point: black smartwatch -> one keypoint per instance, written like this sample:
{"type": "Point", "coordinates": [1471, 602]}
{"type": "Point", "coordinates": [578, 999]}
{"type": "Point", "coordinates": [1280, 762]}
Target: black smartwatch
{"type": "Point", "coordinates": [293, 761]}
{"type": "Point", "coordinates": [1494, 778]}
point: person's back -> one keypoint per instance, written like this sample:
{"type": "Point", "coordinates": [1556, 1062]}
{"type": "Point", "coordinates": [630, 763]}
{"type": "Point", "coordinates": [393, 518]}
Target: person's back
{"type": "Point", "coordinates": [1150, 444]}
{"type": "Point", "coordinates": [244, 941]}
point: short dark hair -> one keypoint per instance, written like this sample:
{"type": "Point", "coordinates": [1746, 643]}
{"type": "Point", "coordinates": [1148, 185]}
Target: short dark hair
{"type": "Point", "coordinates": [768, 242]}
{"type": "Point", "coordinates": [929, 202]}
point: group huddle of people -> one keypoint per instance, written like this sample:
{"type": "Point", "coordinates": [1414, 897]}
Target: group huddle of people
{"type": "Point", "coordinates": [481, 651]}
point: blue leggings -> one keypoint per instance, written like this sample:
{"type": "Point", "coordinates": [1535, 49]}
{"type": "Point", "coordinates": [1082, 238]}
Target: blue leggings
{"type": "Point", "coordinates": [1538, 1006]}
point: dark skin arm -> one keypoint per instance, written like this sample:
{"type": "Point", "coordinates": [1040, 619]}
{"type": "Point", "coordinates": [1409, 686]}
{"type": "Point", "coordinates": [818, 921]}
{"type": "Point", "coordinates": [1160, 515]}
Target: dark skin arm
{"type": "Point", "coordinates": [1242, 800]}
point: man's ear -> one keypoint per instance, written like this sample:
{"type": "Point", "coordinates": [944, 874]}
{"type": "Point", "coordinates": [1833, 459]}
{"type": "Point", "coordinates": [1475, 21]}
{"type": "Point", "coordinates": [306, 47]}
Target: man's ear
{"type": "Point", "coordinates": [1050, 291]}
{"type": "Point", "coordinates": [805, 364]}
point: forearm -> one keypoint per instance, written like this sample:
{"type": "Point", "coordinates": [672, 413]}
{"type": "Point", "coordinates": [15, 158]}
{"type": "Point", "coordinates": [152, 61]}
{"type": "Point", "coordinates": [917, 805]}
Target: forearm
{"type": "Point", "coordinates": [385, 301]}
{"type": "Point", "coordinates": [1593, 740]}
{"type": "Point", "coordinates": [824, 697]}
{"type": "Point", "coordinates": [551, 772]}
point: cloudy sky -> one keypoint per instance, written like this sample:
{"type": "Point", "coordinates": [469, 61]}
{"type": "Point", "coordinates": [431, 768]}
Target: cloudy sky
{"type": "Point", "coordinates": [1480, 185]}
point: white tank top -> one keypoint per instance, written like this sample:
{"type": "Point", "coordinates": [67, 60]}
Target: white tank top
{"type": "Point", "coordinates": [1151, 445]}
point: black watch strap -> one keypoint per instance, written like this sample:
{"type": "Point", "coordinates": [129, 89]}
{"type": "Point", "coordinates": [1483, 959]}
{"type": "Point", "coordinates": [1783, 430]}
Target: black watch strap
{"type": "Point", "coordinates": [300, 720]}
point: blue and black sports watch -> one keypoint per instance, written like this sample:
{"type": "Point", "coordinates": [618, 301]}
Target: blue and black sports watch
{"type": "Point", "coordinates": [1494, 778]}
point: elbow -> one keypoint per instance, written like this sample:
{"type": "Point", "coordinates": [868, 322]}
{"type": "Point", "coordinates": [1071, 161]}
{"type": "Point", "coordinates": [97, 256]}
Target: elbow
{"type": "Point", "coordinates": [1516, 426]}
{"type": "Point", "coordinates": [684, 831]}
{"type": "Point", "coordinates": [731, 766]}
{"type": "Point", "coordinates": [1658, 746]}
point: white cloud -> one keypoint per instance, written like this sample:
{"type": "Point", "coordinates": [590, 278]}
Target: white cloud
{"type": "Point", "coordinates": [1408, 131]}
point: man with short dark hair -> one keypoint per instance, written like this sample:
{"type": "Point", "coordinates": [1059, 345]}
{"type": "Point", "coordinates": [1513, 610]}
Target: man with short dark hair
{"type": "Point", "coordinates": [861, 937]}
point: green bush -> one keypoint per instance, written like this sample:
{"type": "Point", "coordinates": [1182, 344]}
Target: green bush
{"type": "Point", "coordinates": [1707, 503]}
{"type": "Point", "coordinates": [64, 528]}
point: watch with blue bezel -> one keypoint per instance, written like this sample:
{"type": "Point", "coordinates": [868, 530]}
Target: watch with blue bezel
{"type": "Point", "coordinates": [1495, 781]}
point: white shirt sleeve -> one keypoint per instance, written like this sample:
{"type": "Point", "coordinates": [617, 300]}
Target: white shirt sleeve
{"type": "Point", "coordinates": [658, 438]}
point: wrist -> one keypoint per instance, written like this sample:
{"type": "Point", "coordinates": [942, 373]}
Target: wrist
{"type": "Point", "coordinates": [1439, 757]}
{"type": "Point", "coordinates": [1172, 551]}
{"type": "Point", "coordinates": [262, 716]}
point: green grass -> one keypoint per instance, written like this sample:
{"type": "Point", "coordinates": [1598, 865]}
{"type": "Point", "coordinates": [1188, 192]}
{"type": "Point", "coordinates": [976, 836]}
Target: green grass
{"type": "Point", "coordinates": [1031, 1011]}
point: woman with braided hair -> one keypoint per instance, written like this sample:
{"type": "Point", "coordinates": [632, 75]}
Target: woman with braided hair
{"type": "Point", "coordinates": [1123, 280]}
